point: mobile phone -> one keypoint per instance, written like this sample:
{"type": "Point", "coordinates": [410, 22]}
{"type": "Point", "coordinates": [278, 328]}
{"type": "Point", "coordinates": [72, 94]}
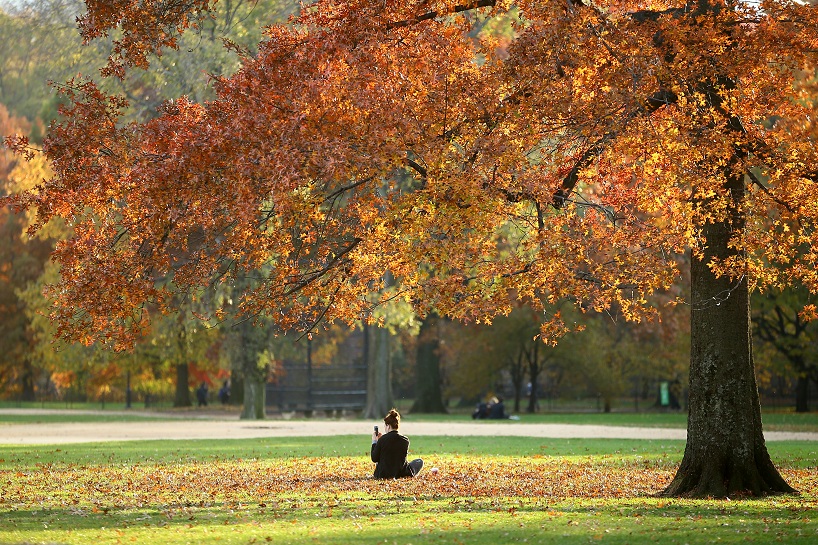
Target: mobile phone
{"type": "Point", "coordinates": [376, 429]}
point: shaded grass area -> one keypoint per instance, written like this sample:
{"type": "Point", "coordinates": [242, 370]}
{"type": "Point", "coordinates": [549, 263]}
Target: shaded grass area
{"type": "Point", "coordinates": [426, 521]}
{"type": "Point", "coordinates": [314, 490]}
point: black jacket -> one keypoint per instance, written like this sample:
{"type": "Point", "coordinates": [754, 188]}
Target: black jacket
{"type": "Point", "coordinates": [390, 455]}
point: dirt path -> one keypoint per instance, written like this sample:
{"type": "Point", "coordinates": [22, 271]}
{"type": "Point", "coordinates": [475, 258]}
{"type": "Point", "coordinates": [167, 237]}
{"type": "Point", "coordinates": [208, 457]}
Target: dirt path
{"type": "Point", "coordinates": [232, 428]}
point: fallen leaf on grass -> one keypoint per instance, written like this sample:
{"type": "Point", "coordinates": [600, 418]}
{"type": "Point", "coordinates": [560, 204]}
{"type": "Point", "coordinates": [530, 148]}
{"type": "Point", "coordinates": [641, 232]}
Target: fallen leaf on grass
{"type": "Point", "coordinates": [330, 482]}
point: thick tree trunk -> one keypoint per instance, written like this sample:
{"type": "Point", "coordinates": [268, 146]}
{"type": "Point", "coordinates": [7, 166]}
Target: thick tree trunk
{"type": "Point", "coordinates": [379, 397]}
{"type": "Point", "coordinates": [428, 395]}
{"type": "Point", "coordinates": [182, 397]}
{"type": "Point", "coordinates": [725, 453]}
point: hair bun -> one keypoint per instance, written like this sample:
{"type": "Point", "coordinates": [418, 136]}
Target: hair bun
{"type": "Point", "coordinates": [392, 418]}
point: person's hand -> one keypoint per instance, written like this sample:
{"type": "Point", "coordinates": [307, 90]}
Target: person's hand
{"type": "Point", "coordinates": [375, 437]}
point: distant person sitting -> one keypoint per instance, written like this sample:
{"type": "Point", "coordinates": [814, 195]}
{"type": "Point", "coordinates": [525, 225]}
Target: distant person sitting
{"type": "Point", "coordinates": [389, 450]}
{"type": "Point", "coordinates": [481, 411]}
{"type": "Point", "coordinates": [497, 410]}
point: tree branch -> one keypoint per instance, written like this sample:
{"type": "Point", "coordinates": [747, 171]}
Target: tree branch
{"type": "Point", "coordinates": [435, 14]}
{"type": "Point", "coordinates": [323, 270]}
{"type": "Point", "coordinates": [570, 181]}
{"type": "Point", "coordinates": [655, 101]}
{"type": "Point", "coordinates": [417, 167]}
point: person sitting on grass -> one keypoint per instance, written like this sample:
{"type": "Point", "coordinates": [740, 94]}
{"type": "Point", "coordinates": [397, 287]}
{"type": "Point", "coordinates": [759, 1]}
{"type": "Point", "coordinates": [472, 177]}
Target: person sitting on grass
{"type": "Point", "coordinates": [389, 450]}
{"type": "Point", "coordinates": [481, 411]}
{"type": "Point", "coordinates": [497, 409]}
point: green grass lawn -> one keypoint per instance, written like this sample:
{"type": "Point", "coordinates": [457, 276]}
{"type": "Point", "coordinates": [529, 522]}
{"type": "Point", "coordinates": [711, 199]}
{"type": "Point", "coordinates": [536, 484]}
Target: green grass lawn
{"type": "Point", "coordinates": [317, 490]}
{"type": "Point", "coordinates": [772, 420]}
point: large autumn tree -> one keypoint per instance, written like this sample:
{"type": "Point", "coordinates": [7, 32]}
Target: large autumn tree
{"type": "Point", "coordinates": [577, 161]}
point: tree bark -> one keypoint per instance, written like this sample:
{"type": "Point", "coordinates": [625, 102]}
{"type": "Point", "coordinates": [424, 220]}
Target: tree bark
{"type": "Point", "coordinates": [428, 394]}
{"type": "Point", "coordinates": [379, 397]}
{"type": "Point", "coordinates": [725, 453]}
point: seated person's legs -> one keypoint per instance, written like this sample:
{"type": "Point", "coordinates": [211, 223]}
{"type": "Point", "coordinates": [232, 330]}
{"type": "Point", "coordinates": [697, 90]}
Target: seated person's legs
{"type": "Point", "coordinates": [416, 465]}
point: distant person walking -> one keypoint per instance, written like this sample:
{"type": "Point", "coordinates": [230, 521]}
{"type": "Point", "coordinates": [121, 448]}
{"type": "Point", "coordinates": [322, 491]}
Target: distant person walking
{"type": "Point", "coordinates": [224, 393]}
{"type": "Point", "coordinates": [201, 395]}
{"type": "Point", "coordinates": [389, 450]}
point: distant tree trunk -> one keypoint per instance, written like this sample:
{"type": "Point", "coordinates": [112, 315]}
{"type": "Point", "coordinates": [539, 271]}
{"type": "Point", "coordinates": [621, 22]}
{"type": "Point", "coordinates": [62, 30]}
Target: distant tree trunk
{"type": "Point", "coordinates": [725, 452]}
{"type": "Point", "coordinates": [802, 394]}
{"type": "Point", "coordinates": [27, 392]}
{"type": "Point", "coordinates": [182, 398]}
{"type": "Point", "coordinates": [517, 371]}
{"type": "Point", "coordinates": [254, 399]}
{"type": "Point", "coordinates": [428, 394]}
{"type": "Point", "coordinates": [253, 376]}
{"type": "Point", "coordinates": [377, 355]}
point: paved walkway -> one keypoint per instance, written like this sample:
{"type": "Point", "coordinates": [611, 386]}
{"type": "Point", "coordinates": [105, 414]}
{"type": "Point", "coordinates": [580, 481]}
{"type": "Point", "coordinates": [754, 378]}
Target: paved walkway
{"type": "Point", "coordinates": [233, 428]}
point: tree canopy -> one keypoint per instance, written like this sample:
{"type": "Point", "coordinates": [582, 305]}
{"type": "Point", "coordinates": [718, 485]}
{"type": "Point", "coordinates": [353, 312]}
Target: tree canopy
{"type": "Point", "coordinates": [363, 139]}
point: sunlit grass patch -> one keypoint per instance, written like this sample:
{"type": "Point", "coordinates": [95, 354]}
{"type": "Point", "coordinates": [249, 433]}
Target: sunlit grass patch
{"type": "Point", "coordinates": [178, 493]}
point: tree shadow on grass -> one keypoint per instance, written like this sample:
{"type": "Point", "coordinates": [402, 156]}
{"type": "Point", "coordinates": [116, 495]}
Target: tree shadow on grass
{"type": "Point", "coordinates": [333, 521]}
